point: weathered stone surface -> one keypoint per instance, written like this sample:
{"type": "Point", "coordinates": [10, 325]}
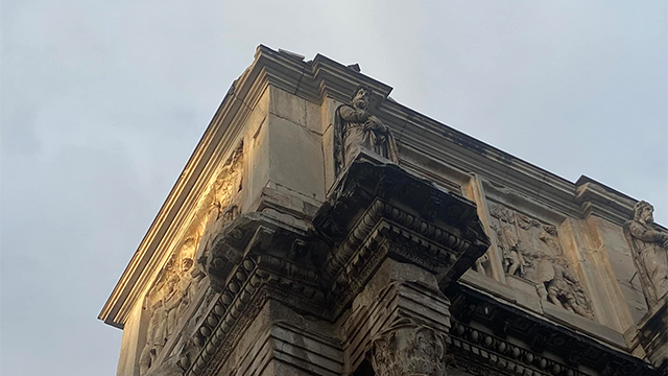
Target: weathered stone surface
{"type": "Point", "coordinates": [309, 235]}
{"type": "Point", "coordinates": [650, 253]}
{"type": "Point", "coordinates": [355, 127]}
{"type": "Point", "coordinates": [653, 335]}
{"type": "Point", "coordinates": [295, 158]}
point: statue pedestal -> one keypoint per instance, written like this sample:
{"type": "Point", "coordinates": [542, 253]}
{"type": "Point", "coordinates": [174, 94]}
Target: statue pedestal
{"type": "Point", "coordinates": [653, 335]}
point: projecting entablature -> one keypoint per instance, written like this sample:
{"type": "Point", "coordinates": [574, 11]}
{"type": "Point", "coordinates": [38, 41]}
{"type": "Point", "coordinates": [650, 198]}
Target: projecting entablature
{"type": "Point", "coordinates": [321, 227]}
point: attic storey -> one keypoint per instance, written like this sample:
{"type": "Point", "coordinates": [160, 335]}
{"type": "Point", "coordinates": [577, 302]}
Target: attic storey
{"type": "Point", "coordinates": [322, 228]}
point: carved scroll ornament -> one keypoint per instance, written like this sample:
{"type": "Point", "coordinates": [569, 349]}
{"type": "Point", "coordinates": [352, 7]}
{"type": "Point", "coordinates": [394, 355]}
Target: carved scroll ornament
{"type": "Point", "coordinates": [649, 248]}
{"type": "Point", "coordinates": [356, 127]}
{"type": "Point", "coordinates": [407, 348]}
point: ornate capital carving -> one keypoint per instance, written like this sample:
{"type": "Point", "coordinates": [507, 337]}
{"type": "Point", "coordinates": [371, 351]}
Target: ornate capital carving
{"type": "Point", "coordinates": [407, 348]}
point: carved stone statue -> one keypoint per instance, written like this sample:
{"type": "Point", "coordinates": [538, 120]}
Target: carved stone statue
{"type": "Point", "coordinates": [649, 248]}
{"type": "Point", "coordinates": [355, 127]}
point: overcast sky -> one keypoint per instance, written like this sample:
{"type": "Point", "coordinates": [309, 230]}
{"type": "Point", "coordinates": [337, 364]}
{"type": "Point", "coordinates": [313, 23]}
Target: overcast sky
{"type": "Point", "coordinates": [103, 102]}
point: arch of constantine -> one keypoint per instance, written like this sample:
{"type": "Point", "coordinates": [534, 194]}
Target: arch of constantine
{"type": "Point", "coordinates": [322, 228]}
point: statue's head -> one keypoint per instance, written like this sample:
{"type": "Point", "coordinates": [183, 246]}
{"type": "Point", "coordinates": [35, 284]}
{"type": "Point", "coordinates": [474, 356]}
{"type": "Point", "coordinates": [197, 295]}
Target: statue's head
{"type": "Point", "coordinates": [362, 97]}
{"type": "Point", "coordinates": [643, 212]}
{"type": "Point", "coordinates": [186, 264]}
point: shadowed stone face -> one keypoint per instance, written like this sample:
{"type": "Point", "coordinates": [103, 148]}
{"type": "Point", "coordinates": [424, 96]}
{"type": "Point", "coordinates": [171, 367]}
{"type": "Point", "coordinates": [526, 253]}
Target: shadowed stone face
{"type": "Point", "coordinates": [361, 99]}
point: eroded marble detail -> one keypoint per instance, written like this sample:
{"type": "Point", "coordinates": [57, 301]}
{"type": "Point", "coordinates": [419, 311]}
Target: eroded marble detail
{"type": "Point", "coordinates": [356, 127]}
{"type": "Point", "coordinates": [221, 203]}
{"type": "Point", "coordinates": [408, 348]}
{"type": "Point", "coordinates": [649, 248]}
{"type": "Point", "coordinates": [167, 302]}
{"type": "Point", "coordinates": [531, 250]}
{"type": "Point", "coordinates": [182, 278]}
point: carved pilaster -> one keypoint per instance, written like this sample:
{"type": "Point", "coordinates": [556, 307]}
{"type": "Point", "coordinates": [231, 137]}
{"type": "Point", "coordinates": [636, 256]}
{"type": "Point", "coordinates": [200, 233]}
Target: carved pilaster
{"type": "Point", "coordinates": [408, 348]}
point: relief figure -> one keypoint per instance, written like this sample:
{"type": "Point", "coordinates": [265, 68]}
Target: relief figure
{"type": "Point", "coordinates": [356, 127]}
{"type": "Point", "coordinates": [551, 243]}
{"type": "Point", "coordinates": [509, 243]}
{"type": "Point", "coordinates": [564, 291]}
{"type": "Point", "coordinates": [541, 263]}
{"type": "Point", "coordinates": [158, 330]}
{"type": "Point", "coordinates": [649, 249]}
{"type": "Point", "coordinates": [181, 298]}
{"type": "Point", "coordinates": [221, 206]}
{"type": "Point", "coordinates": [154, 338]}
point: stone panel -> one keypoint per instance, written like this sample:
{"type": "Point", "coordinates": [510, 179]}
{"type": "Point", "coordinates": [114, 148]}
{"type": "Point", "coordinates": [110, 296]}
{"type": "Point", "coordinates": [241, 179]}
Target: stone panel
{"type": "Point", "coordinates": [327, 113]}
{"type": "Point", "coordinates": [258, 162]}
{"type": "Point", "coordinates": [614, 251]}
{"type": "Point", "coordinates": [295, 158]}
{"type": "Point", "coordinates": [531, 249]}
{"type": "Point", "coordinates": [295, 109]}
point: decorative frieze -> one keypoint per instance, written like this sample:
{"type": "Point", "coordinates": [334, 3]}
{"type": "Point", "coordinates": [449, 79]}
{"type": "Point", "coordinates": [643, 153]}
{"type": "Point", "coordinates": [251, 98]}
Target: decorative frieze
{"type": "Point", "coordinates": [531, 250]}
{"type": "Point", "coordinates": [495, 356]}
{"type": "Point", "coordinates": [179, 282]}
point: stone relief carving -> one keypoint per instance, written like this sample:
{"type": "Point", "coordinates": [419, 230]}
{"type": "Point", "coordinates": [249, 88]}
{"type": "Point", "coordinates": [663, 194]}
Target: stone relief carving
{"type": "Point", "coordinates": [158, 330]}
{"type": "Point", "coordinates": [509, 243]}
{"type": "Point", "coordinates": [155, 338]}
{"type": "Point", "coordinates": [482, 264]}
{"type": "Point", "coordinates": [220, 206]}
{"type": "Point", "coordinates": [355, 127]}
{"type": "Point", "coordinates": [531, 250]}
{"type": "Point", "coordinates": [408, 348]}
{"type": "Point", "coordinates": [181, 279]}
{"type": "Point", "coordinates": [649, 249]}
{"type": "Point", "coordinates": [167, 301]}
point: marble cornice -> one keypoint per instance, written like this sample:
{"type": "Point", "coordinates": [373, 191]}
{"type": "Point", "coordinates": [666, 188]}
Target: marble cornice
{"type": "Point", "coordinates": [605, 202]}
{"type": "Point", "coordinates": [218, 141]}
{"type": "Point", "coordinates": [504, 338]}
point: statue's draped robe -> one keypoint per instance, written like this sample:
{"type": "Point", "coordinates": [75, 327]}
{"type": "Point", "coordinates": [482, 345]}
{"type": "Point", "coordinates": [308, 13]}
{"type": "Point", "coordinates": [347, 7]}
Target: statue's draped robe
{"type": "Point", "coordinates": [351, 132]}
{"type": "Point", "coordinates": [650, 259]}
